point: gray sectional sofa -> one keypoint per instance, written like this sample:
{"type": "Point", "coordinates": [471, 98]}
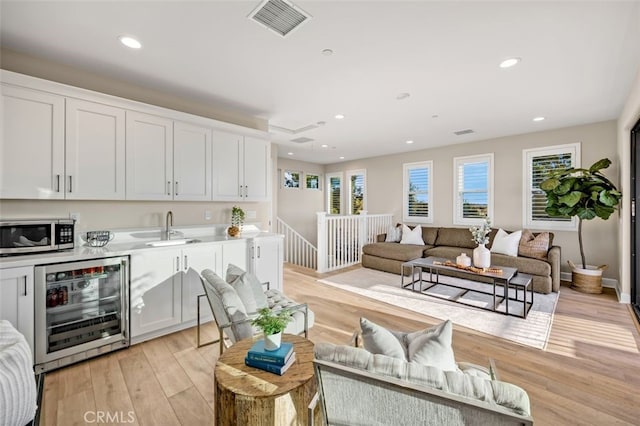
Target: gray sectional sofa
{"type": "Point", "coordinates": [451, 242]}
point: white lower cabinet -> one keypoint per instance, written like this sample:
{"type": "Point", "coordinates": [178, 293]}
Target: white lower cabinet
{"type": "Point", "coordinates": [267, 255]}
{"type": "Point", "coordinates": [165, 284]}
{"type": "Point", "coordinates": [17, 301]}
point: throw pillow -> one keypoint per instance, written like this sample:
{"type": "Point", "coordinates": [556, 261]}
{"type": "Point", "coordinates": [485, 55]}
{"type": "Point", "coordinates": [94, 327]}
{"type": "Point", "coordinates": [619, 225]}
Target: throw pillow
{"type": "Point", "coordinates": [535, 246]}
{"type": "Point", "coordinates": [504, 243]}
{"type": "Point", "coordinates": [378, 340]}
{"type": "Point", "coordinates": [247, 284]}
{"type": "Point", "coordinates": [412, 236]}
{"type": "Point", "coordinates": [432, 347]}
{"type": "Point", "coordinates": [224, 298]}
{"type": "Point", "coordinates": [394, 234]}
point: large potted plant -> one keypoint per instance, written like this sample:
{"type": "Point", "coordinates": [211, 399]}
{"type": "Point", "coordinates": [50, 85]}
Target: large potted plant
{"type": "Point", "coordinates": [585, 194]}
{"type": "Point", "coordinates": [272, 325]}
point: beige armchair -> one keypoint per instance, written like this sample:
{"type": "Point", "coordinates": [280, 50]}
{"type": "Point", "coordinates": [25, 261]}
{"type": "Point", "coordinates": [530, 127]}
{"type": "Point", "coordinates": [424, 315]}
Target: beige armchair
{"type": "Point", "coordinates": [234, 305]}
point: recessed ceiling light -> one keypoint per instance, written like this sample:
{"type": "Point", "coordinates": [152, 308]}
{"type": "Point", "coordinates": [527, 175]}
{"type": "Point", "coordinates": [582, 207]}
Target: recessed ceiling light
{"type": "Point", "coordinates": [402, 96]}
{"type": "Point", "coordinates": [508, 63]}
{"type": "Point", "coordinates": [327, 52]}
{"type": "Point", "coordinates": [339, 116]}
{"type": "Point", "coordinates": [409, 142]}
{"type": "Point", "coordinates": [342, 158]}
{"type": "Point", "coordinates": [538, 119]}
{"type": "Point", "coordinates": [434, 116]}
{"type": "Point", "coordinates": [324, 145]}
{"type": "Point", "coordinates": [289, 153]}
{"type": "Point", "coordinates": [130, 42]}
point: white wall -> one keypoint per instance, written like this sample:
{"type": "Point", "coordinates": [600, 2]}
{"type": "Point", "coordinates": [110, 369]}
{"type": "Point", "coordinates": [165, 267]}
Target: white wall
{"type": "Point", "coordinates": [598, 140]}
{"type": "Point", "coordinates": [297, 206]}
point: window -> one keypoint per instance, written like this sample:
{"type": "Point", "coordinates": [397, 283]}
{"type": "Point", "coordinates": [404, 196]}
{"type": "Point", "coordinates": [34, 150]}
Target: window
{"type": "Point", "coordinates": [334, 193]}
{"type": "Point", "coordinates": [538, 163]}
{"type": "Point", "coordinates": [417, 204]}
{"type": "Point", "coordinates": [291, 179]}
{"type": "Point", "coordinates": [312, 181]}
{"type": "Point", "coordinates": [473, 189]}
{"type": "Point", "coordinates": [357, 191]}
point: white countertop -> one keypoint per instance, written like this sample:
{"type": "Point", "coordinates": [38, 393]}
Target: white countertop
{"type": "Point", "coordinates": [126, 241]}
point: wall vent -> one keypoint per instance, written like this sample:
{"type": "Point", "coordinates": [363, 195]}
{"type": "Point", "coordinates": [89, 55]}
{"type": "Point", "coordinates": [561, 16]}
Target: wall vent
{"type": "Point", "coordinates": [463, 132]}
{"type": "Point", "coordinates": [280, 16]}
{"type": "Point", "coordinates": [301, 139]}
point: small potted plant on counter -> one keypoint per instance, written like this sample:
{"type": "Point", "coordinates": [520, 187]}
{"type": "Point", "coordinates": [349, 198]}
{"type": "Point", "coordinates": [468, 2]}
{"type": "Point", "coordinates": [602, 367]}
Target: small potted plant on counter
{"type": "Point", "coordinates": [237, 219]}
{"type": "Point", "coordinates": [272, 325]}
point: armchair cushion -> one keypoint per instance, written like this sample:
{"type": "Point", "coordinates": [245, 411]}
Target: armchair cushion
{"type": "Point", "coordinates": [248, 287]}
{"type": "Point", "coordinates": [227, 306]}
{"type": "Point", "coordinates": [378, 340]}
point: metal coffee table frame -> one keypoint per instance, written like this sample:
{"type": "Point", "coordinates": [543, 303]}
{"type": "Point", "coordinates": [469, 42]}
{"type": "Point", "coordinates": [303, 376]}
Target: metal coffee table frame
{"type": "Point", "coordinates": [503, 280]}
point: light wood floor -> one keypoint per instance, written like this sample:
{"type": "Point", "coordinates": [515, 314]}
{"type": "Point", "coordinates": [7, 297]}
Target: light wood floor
{"type": "Point", "coordinates": [589, 373]}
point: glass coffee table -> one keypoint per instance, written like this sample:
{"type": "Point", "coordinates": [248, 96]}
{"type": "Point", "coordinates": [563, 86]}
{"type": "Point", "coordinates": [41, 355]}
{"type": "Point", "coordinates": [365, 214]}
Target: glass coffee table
{"type": "Point", "coordinates": [498, 280]}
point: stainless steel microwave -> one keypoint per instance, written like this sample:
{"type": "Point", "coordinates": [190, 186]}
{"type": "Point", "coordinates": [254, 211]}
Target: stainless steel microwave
{"type": "Point", "coordinates": [23, 236]}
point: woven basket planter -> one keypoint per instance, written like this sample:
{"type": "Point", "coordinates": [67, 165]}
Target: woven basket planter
{"type": "Point", "coordinates": [587, 280]}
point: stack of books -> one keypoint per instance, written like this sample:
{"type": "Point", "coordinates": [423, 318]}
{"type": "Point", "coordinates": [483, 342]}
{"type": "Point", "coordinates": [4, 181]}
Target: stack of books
{"type": "Point", "coordinates": [277, 361]}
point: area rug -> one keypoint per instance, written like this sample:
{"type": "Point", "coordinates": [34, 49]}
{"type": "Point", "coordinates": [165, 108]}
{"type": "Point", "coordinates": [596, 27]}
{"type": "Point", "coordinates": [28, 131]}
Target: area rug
{"type": "Point", "coordinates": [385, 287]}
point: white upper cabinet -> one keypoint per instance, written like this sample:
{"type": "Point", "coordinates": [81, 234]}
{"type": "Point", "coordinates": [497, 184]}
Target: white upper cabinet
{"type": "Point", "coordinates": [32, 145]}
{"type": "Point", "coordinates": [240, 167]}
{"type": "Point", "coordinates": [149, 157]}
{"type": "Point", "coordinates": [95, 151]}
{"type": "Point", "coordinates": [191, 162]}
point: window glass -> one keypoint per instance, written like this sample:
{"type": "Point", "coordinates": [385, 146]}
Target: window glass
{"type": "Point", "coordinates": [417, 192]}
{"type": "Point", "coordinates": [473, 189]}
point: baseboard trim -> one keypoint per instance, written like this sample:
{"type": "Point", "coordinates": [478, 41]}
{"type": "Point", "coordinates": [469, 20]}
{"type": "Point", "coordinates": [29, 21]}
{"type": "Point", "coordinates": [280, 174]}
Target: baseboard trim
{"type": "Point", "coordinates": [606, 282]}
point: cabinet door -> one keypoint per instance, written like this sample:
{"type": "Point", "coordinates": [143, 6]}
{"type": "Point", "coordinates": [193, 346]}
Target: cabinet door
{"type": "Point", "coordinates": [234, 252]}
{"type": "Point", "coordinates": [32, 145]}
{"type": "Point", "coordinates": [191, 162]}
{"type": "Point", "coordinates": [268, 254]}
{"type": "Point", "coordinates": [16, 303]}
{"type": "Point", "coordinates": [194, 260]}
{"type": "Point", "coordinates": [149, 157]}
{"type": "Point", "coordinates": [156, 299]}
{"type": "Point", "coordinates": [227, 185]}
{"type": "Point", "coordinates": [95, 151]}
{"type": "Point", "coordinates": [256, 169]}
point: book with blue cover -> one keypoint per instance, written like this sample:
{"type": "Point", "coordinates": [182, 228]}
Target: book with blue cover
{"type": "Point", "coordinates": [279, 357]}
{"type": "Point", "coordinates": [271, 367]}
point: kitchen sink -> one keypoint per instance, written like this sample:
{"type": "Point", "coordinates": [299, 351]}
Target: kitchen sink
{"type": "Point", "coordinates": [176, 242]}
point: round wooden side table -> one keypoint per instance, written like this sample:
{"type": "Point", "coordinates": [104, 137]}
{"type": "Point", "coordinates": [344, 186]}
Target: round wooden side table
{"type": "Point", "coordinates": [250, 396]}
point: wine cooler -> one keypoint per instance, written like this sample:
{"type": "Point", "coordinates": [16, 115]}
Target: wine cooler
{"type": "Point", "coordinates": [82, 310]}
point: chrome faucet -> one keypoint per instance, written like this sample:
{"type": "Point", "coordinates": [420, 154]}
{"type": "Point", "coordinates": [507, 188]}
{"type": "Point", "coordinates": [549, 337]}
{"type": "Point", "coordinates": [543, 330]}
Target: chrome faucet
{"type": "Point", "coordinates": [169, 224]}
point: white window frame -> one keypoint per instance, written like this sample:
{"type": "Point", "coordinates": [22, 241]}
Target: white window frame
{"type": "Point", "coordinates": [328, 187]}
{"type": "Point", "coordinates": [406, 168]}
{"type": "Point", "coordinates": [348, 176]}
{"type": "Point", "coordinates": [527, 162]}
{"type": "Point", "coordinates": [457, 201]}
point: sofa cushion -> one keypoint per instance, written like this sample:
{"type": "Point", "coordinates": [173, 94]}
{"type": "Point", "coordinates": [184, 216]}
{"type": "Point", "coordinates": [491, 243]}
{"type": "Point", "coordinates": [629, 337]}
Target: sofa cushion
{"type": "Point", "coordinates": [395, 251]}
{"type": "Point", "coordinates": [226, 305]}
{"type": "Point", "coordinates": [433, 347]}
{"type": "Point", "coordinates": [522, 264]}
{"type": "Point", "coordinates": [448, 252]}
{"type": "Point", "coordinates": [535, 246]}
{"type": "Point", "coordinates": [241, 281]}
{"type": "Point", "coordinates": [378, 340]}
{"type": "Point", "coordinates": [429, 235]}
{"type": "Point", "coordinates": [412, 236]}
{"type": "Point", "coordinates": [455, 237]}
{"type": "Point", "coordinates": [394, 234]}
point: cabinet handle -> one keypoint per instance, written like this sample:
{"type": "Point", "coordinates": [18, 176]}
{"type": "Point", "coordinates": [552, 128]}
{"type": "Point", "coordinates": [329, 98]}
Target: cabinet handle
{"type": "Point", "coordinates": [70, 184]}
{"type": "Point", "coordinates": [177, 263]}
{"type": "Point", "coordinates": [246, 191]}
{"type": "Point", "coordinates": [258, 252]}
{"type": "Point", "coordinates": [186, 263]}
{"type": "Point", "coordinates": [176, 187]}
{"type": "Point", "coordinates": [240, 190]}
{"type": "Point", "coordinates": [25, 286]}
{"type": "Point", "coordinates": [57, 183]}
{"type": "Point", "coordinates": [168, 187]}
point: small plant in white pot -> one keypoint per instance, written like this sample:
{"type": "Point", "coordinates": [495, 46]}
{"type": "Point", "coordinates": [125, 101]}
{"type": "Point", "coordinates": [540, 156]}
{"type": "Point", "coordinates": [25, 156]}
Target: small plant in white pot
{"type": "Point", "coordinates": [237, 219]}
{"type": "Point", "coordinates": [272, 325]}
{"type": "Point", "coordinates": [585, 194]}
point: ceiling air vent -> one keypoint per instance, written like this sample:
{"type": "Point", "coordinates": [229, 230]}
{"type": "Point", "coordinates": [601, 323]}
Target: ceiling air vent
{"type": "Point", "coordinates": [279, 16]}
{"type": "Point", "coordinates": [463, 132]}
{"type": "Point", "coordinates": [301, 139]}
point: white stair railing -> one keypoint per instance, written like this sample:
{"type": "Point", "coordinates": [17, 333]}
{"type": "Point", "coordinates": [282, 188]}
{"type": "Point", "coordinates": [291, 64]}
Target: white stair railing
{"type": "Point", "coordinates": [297, 249]}
{"type": "Point", "coordinates": [340, 238]}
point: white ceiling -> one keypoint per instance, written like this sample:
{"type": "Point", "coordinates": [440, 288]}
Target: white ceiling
{"type": "Point", "coordinates": [579, 60]}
